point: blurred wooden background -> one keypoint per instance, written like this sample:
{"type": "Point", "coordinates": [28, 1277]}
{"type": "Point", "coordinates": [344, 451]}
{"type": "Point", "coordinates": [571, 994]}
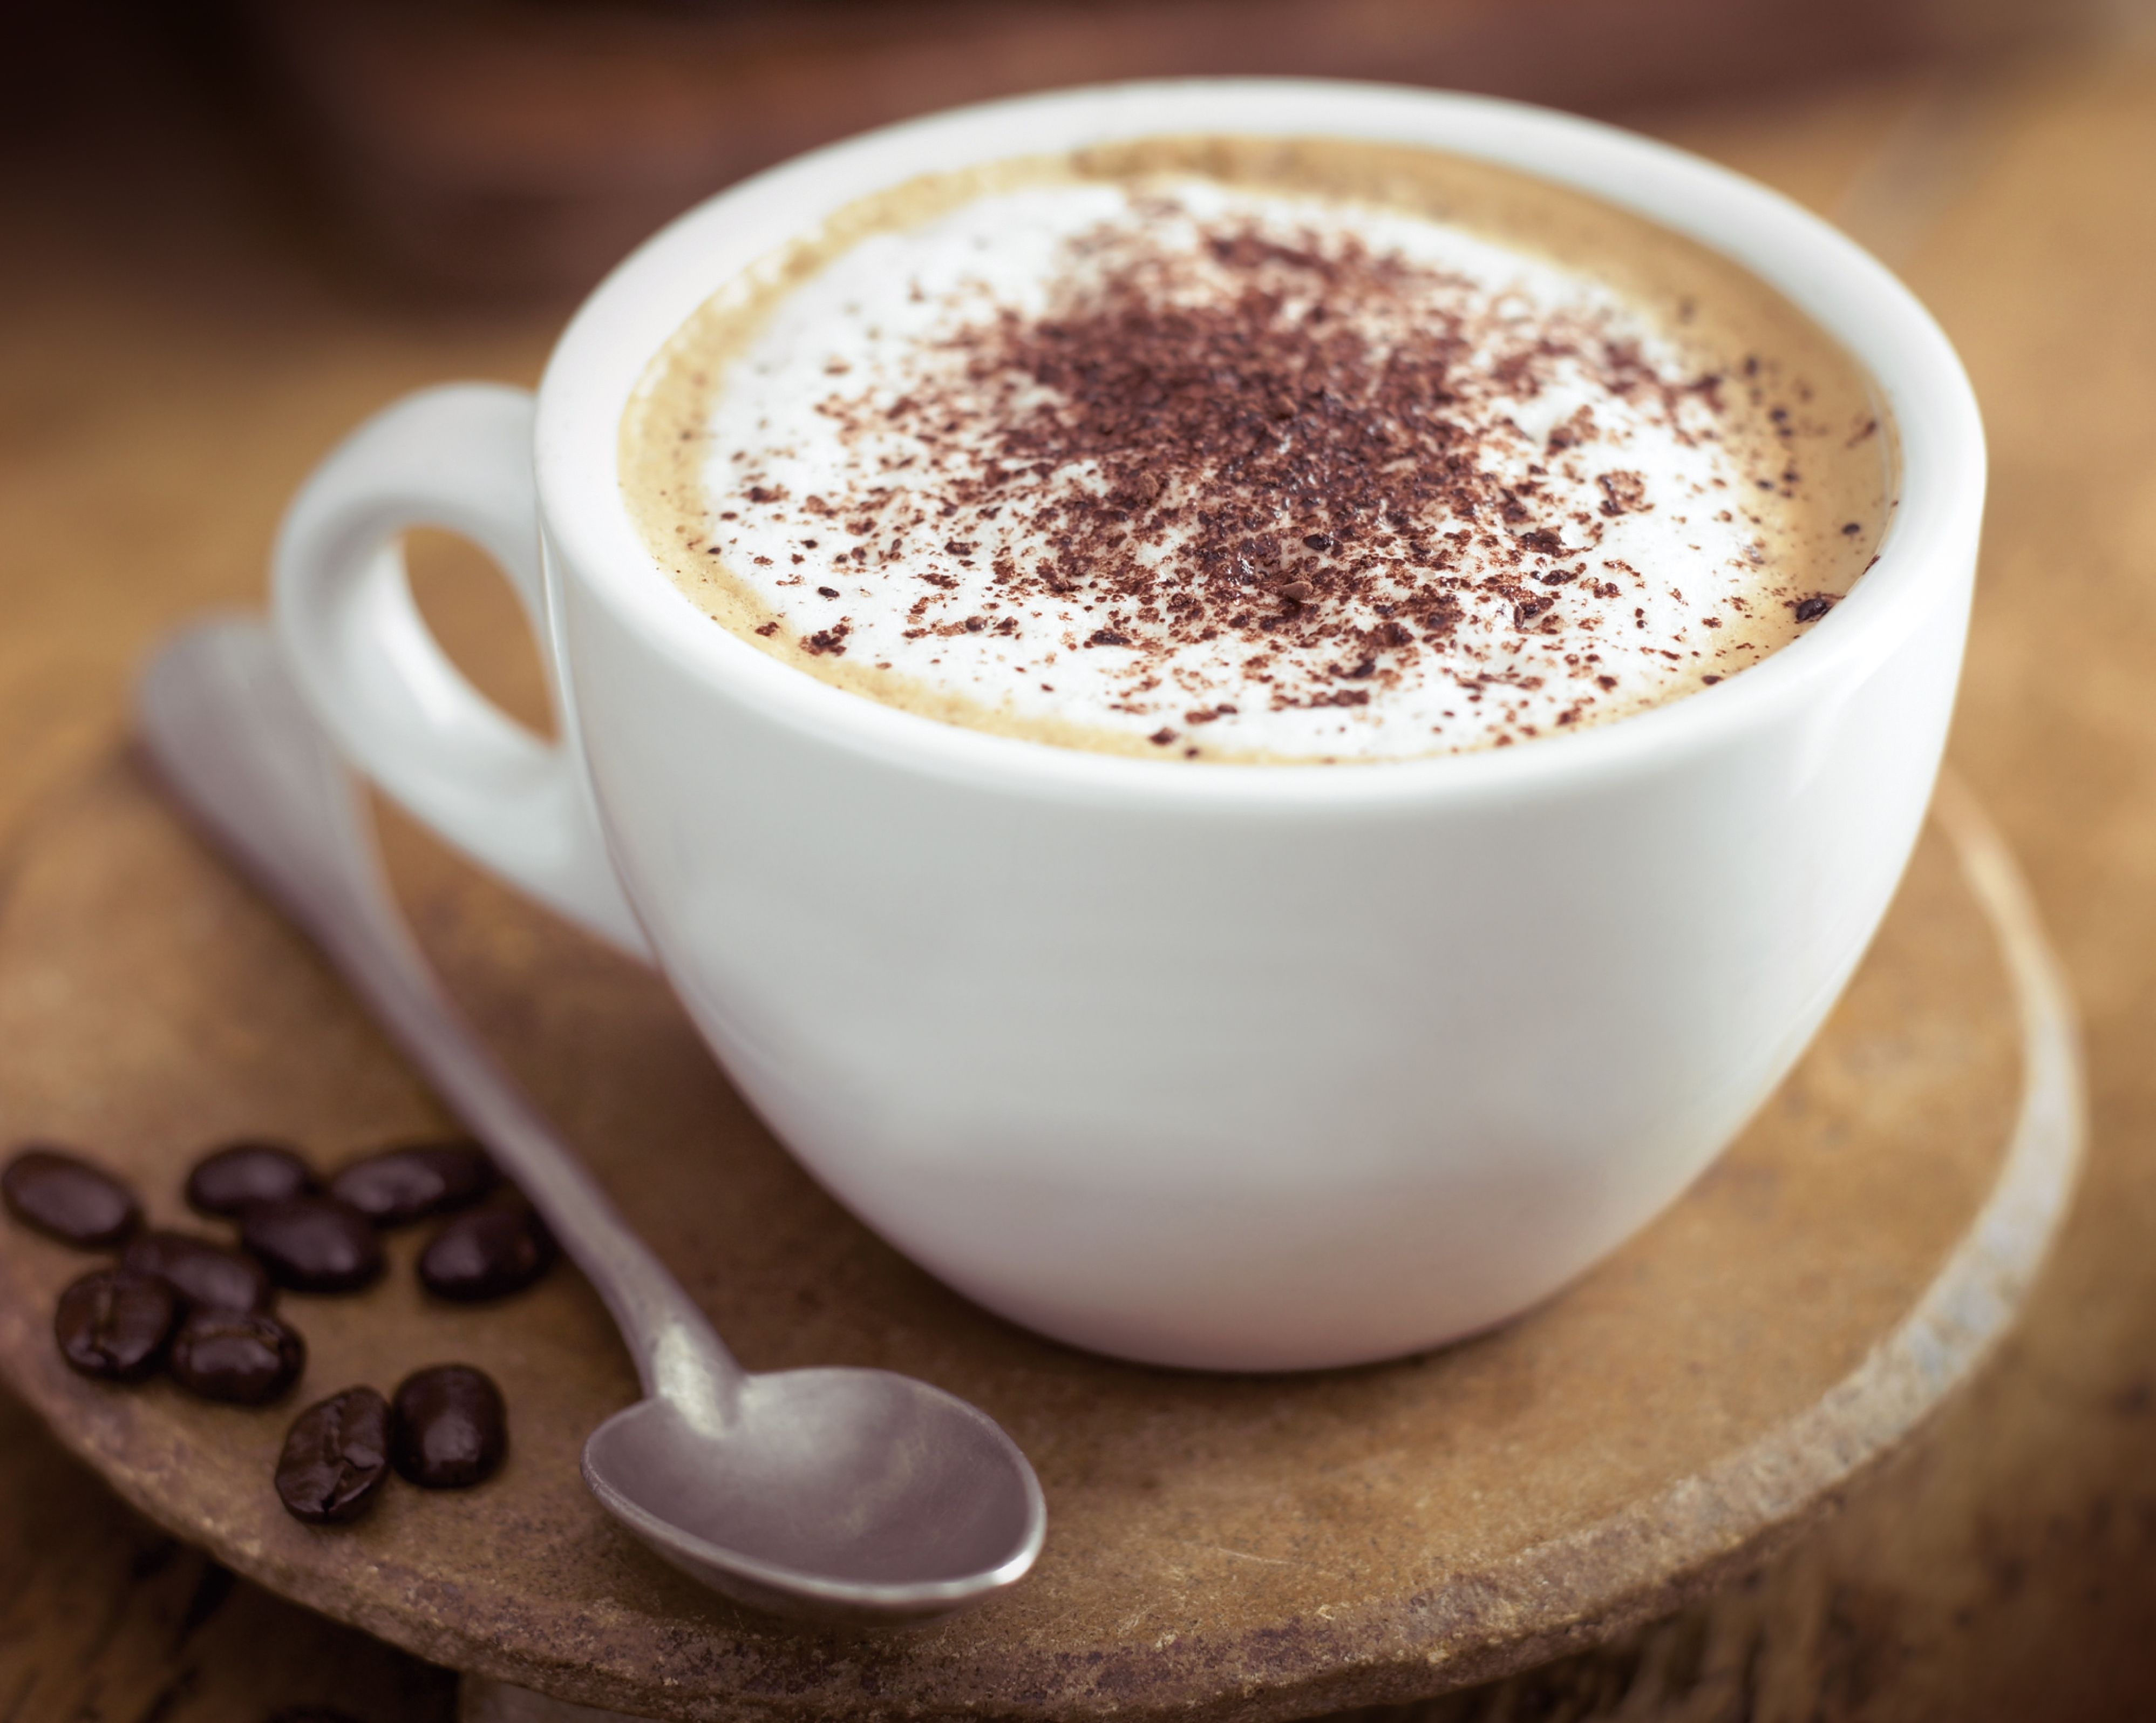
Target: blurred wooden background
{"type": "Point", "coordinates": [228, 231]}
{"type": "Point", "coordinates": [519, 147]}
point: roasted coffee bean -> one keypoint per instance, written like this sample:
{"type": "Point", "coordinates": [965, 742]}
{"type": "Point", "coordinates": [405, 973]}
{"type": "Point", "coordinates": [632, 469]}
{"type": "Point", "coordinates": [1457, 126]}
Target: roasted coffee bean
{"type": "Point", "coordinates": [335, 1458]}
{"type": "Point", "coordinates": [239, 1355]}
{"type": "Point", "coordinates": [313, 1243]}
{"type": "Point", "coordinates": [487, 1254]}
{"type": "Point", "coordinates": [203, 1273]}
{"type": "Point", "coordinates": [113, 1324]}
{"type": "Point", "coordinates": [228, 1180]}
{"type": "Point", "coordinates": [399, 1185]}
{"type": "Point", "coordinates": [64, 1196]}
{"type": "Point", "coordinates": [449, 1427]}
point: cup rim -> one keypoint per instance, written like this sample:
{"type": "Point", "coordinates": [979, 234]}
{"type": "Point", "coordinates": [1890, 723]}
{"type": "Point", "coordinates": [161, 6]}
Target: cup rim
{"type": "Point", "coordinates": [1923, 555]}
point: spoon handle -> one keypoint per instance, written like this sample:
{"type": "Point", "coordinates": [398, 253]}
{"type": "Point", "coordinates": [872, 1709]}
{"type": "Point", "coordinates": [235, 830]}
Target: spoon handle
{"type": "Point", "coordinates": [231, 736]}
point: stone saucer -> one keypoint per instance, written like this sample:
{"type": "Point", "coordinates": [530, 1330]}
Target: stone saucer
{"type": "Point", "coordinates": [1218, 1547]}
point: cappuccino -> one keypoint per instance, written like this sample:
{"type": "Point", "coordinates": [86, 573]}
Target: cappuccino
{"type": "Point", "coordinates": [1259, 451]}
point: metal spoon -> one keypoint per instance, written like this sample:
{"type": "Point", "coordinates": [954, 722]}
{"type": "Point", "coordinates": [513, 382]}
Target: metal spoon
{"type": "Point", "coordinates": [851, 1494]}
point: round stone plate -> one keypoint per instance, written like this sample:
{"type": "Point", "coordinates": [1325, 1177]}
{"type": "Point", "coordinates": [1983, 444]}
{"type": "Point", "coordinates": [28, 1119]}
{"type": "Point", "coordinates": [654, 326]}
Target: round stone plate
{"type": "Point", "coordinates": [1245, 1546]}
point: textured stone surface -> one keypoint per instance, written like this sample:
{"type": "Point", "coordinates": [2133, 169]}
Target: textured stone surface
{"type": "Point", "coordinates": [1218, 1546]}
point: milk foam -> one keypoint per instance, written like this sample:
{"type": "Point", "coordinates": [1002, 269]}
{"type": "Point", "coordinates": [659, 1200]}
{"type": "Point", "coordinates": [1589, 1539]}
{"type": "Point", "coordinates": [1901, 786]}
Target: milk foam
{"type": "Point", "coordinates": [1676, 544]}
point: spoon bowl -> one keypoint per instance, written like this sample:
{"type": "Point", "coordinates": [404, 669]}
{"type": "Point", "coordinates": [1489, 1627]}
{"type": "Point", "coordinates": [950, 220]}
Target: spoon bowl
{"type": "Point", "coordinates": [850, 1494]}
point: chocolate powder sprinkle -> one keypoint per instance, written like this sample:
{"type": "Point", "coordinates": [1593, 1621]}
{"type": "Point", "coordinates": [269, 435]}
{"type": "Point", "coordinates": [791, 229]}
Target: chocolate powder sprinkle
{"type": "Point", "coordinates": [1288, 469]}
{"type": "Point", "coordinates": [1289, 464]}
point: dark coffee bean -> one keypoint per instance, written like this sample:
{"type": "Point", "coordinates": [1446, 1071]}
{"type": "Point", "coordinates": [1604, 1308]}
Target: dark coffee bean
{"type": "Point", "coordinates": [313, 1243]}
{"type": "Point", "coordinates": [203, 1273]}
{"type": "Point", "coordinates": [64, 1196]}
{"type": "Point", "coordinates": [229, 1180]}
{"type": "Point", "coordinates": [450, 1427]}
{"type": "Point", "coordinates": [113, 1324]}
{"type": "Point", "coordinates": [487, 1254]}
{"type": "Point", "coordinates": [239, 1356]}
{"type": "Point", "coordinates": [335, 1458]}
{"type": "Point", "coordinates": [309, 1714]}
{"type": "Point", "coordinates": [399, 1185]}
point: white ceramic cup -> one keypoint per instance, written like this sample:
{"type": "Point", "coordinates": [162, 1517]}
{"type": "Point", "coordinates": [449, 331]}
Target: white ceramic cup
{"type": "Point", "coordinates": [1238, 1067]}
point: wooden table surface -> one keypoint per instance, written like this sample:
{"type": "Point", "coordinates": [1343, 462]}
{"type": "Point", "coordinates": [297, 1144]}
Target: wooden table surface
{"type": "Point", "coordinates": [171, 362]}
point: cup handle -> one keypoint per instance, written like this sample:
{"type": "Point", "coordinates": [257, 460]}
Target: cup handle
{"type": "Point", "coordinates": [458, 458]}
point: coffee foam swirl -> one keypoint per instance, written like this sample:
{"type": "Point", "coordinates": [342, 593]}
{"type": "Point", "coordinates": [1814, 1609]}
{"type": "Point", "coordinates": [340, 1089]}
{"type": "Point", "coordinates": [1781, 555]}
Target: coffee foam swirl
{"type": "Point", "coordinates": [1172, 465]}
